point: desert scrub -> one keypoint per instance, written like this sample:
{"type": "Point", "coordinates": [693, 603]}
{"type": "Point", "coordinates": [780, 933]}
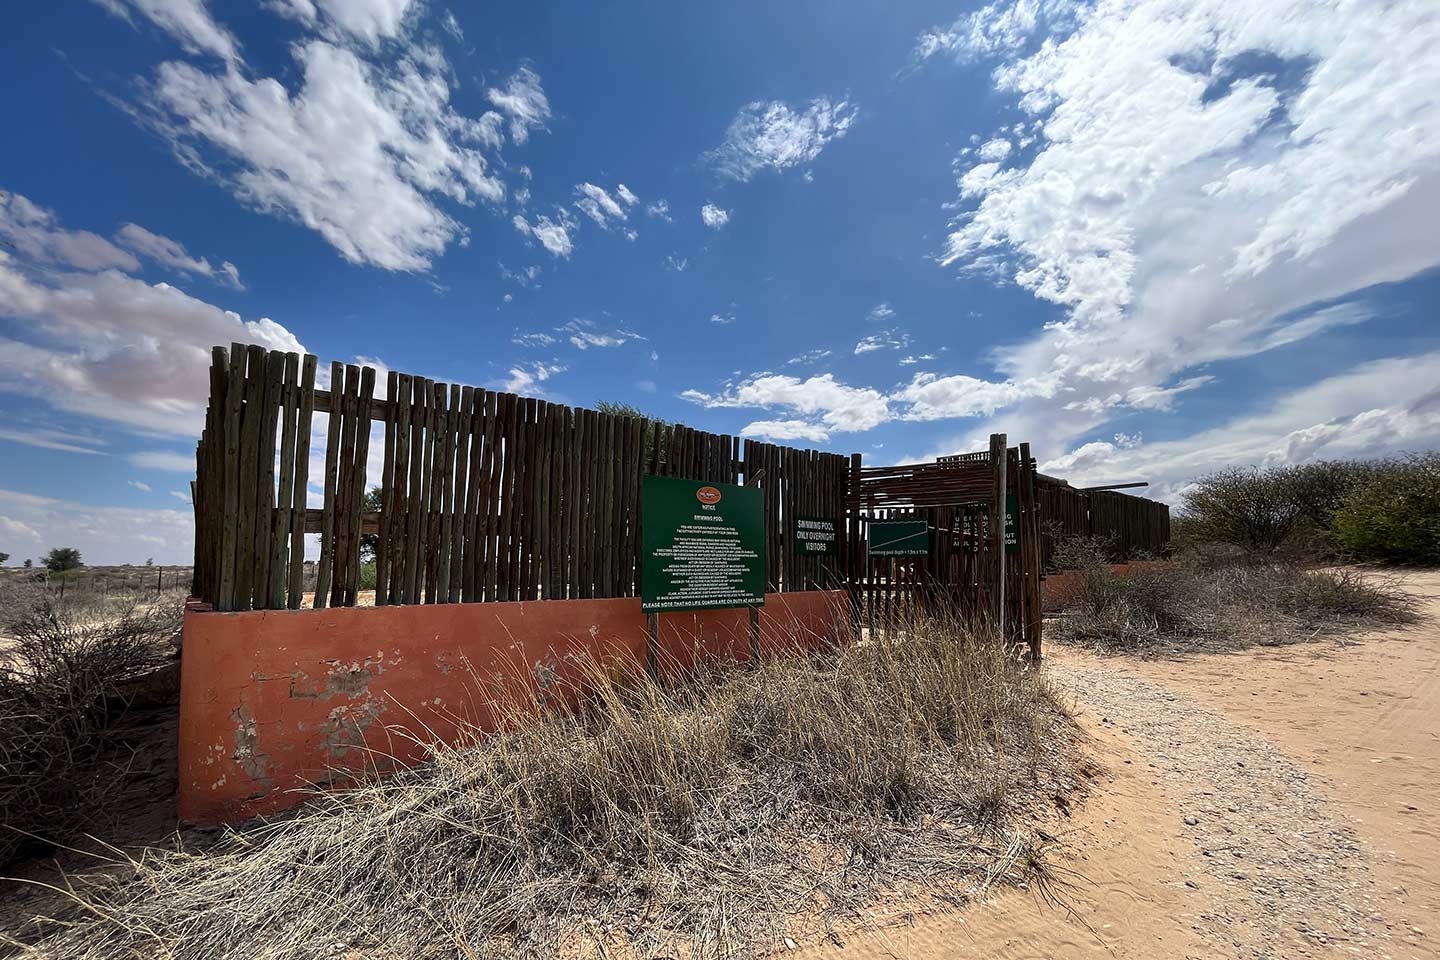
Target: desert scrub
{"type": "Point", "coordinates": [1198, 604]}
{"type": "Point", "coordinates": [1396, 517]}
{"type": "Point", "coordinates": [710, 816]}
{"type": "Point", "coordinates": [61, 672]}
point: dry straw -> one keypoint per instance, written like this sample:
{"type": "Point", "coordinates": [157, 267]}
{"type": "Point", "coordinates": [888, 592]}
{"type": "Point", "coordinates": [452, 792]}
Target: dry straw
{"type": "Point", "coordinates": [1221, 603]}
{"type": "Point", "coordinates": [709, 816]}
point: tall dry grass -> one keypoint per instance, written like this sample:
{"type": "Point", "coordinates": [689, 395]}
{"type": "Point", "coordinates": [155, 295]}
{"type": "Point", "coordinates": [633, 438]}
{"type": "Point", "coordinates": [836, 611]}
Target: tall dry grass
{"type": "Point", "coordinates": [710, 817]}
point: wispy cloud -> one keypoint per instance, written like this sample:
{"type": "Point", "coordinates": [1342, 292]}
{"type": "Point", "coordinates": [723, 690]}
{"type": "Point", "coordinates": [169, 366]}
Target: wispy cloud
{"type": "Point", "coordinates": [772, 136]}
{"type": "Point", "coordinates": [527, 378]}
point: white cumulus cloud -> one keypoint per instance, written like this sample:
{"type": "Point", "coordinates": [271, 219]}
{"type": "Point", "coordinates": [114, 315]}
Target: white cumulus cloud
{"type": "Point", "coordinates": [714, 217]}
{"type": "Point", "coordinates": [108, 345]}
{"type": "Point", "coordinates": [364, 146]}
{"type": "Point", "coordinates": [1207, 179]}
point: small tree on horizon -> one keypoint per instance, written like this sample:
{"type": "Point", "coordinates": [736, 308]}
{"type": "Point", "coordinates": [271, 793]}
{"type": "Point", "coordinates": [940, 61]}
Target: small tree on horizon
{"type": "Point", "coordinates": [370, 542]}
{"type": "Point", "coordinates": [4, 559]}
{"type": "Point", "coordinates": [619, 408]}
{"type": "Point", "coordinates": [61, 559]}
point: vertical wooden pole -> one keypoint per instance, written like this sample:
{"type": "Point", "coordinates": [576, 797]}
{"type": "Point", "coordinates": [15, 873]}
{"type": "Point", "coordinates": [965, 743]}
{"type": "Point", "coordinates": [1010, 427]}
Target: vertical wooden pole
{"type": "Point", "coordinates": [230, 476]}
{"type": "Point", "coordinates": [265, 490]}
{"type": "Point", "coordinates": [300, 495]}
{"type": "Point", "coordinates": [387, 493]}
{"type": "Point", "coordinates": [998, 459]}
{"type": "Point", "coordinates": [332, 467]}
{"type": "Point", "coordinates": [250, 441]}
{"type": "Point", "coordinates": [357, 489]}
{"type": "Point", "coordinates": [1030, 556]}
{"type": "Point", "coordinates": [285, 494]}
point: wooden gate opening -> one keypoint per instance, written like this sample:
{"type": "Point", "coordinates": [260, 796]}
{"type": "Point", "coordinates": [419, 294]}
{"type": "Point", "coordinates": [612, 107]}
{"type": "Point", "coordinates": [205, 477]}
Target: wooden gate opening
{"type": "Point", "coordinates": [982, 540]}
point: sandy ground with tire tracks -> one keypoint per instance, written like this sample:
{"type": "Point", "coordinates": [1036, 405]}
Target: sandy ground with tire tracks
{"type": "Point", "coordinates": [1276, 802]}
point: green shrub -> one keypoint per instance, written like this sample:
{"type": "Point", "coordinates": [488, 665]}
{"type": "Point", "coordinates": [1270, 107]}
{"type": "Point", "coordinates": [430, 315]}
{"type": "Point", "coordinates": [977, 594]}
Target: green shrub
{"type": "Point", "coordinates": [1396, 516]}
{"type": "Point", "coordinates": [1286, 510]}
{"type": "Point", "coordinates": [1250, 508]}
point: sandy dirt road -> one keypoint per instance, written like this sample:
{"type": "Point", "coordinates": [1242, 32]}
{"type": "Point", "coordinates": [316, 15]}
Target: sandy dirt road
{"type": "Point", "coordinates": [1276, 802]}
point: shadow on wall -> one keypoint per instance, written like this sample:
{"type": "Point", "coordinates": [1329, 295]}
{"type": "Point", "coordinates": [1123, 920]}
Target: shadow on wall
{"type": "Point", "coordinates": [273, 703]}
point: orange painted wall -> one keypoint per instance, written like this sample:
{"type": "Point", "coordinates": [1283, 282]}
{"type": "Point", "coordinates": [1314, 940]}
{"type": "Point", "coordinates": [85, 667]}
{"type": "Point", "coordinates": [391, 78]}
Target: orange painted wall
{"type": "Point", "coordinates": [272, 702]}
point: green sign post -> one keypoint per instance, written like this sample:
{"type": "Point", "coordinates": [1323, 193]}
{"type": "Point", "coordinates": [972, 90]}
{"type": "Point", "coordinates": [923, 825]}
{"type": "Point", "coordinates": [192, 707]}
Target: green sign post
{"type": "Point", "coordinates": [1012, 510]}
{"type": "Point", "coordinates": [704, 545]}
{"type": "Point", "coordinates": [815, 536]}
{"type": "Point", "coordinates": [899, 538]}
{"type": "Point", "coordinates": [981, 533]}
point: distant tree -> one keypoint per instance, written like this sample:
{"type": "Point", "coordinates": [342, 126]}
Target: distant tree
{"type": "Point", "coordinates": [29, 563]}
{"type": "Point", "coordinates": [1253, 509]}
{"type": "Point", "coordinates": [1396, 516]}
{"type": "Point", "coordinates": [370, 542]}
{"type": "Point", "coordinates": [149, 561]}
{"type": "Point", "coordinates": [619, 408]}
{"type": "Point", "coordinates": [4, 559]}
{"type": "Point", "coordinates": [62, 558]}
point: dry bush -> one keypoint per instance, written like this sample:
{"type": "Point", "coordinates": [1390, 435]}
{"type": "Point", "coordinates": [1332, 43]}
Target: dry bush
{"type": "Point", "coordinates": [708, 817]}
{"type": "Point", "coordinates": [1210, 603]}
{"type": "Point", "coordinates": [60, 675]}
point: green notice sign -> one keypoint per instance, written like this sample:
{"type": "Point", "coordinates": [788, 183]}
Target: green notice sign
{"type": "Point", "coordinates": [899, 538]}
{"type": "Point", "coordinates": [966, 539]}
{"type": "Point", "coordinates": [1012, 510]}
{"type": "Point", "coordinates": [704, 545]}
{"type": "Point", "coordinates": [815, 536]}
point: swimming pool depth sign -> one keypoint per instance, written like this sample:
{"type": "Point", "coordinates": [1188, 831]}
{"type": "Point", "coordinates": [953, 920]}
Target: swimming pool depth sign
{"type": "Point", "coordinates": [899, 538]}
{"type": "Point", "coordinates": [704, 545]}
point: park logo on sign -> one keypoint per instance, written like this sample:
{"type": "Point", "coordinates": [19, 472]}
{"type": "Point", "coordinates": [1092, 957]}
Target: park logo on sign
{"type": "Point", "coordinates": [708, 496]}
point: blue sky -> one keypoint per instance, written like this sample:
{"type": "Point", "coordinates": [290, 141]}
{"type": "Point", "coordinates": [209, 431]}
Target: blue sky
{"type": "Point", "coordinates": [1151, 237]}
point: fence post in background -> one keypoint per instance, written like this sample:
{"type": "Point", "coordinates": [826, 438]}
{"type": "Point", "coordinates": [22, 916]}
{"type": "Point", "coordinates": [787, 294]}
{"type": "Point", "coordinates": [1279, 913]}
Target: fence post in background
{"type": "Point", "coordinates": [854, 543]}
{"type": "Point", "coordinates": [332, 466]}
{"type": "Point", "coordinates": [998, 458]}
{"type": "Point", "coordinates": [387, 492]}
{"type": "Point", "coordinates": [1030, 552]}
{"type": "Point", "coordinates": [299, 495]}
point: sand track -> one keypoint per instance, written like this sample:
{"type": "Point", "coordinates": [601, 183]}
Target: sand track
{"type": "Point", "coordinates": [1276, 802]}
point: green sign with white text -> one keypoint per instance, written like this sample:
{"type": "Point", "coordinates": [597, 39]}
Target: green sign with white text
{"type": "Point", "coordinates": [1012, 510]}
{"type": "Point", "coordinates": [815, 536]}
{"type": "Point", "coordinates": [704, 545]}
{"type": "Point", "coordinates": [899, 538]}
{"type": "Point", "coordinates": [968, 537]}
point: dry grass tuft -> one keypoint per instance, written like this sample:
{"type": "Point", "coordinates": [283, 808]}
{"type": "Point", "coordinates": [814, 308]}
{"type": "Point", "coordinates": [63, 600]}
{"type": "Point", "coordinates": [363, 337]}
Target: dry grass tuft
{"type": "Point", "coordinates": [710, 817]}
{"type": "Point", "coordinates": [61, 670]}
{"type": "Point", "coordinates": [1197, 604]}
